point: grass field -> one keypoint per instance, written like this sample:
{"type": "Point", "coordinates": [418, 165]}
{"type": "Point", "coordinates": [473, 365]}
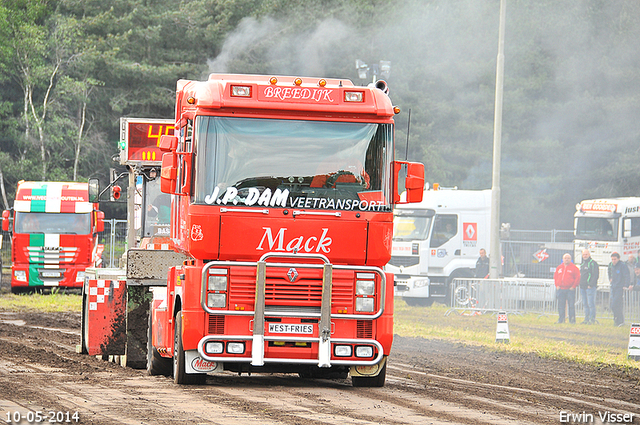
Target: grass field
{"type": "Point", "coordinates": [531, 333]}
{"type": "Point", "coordinates": [54, 301]}
{"type": "Point", "coordinates": [596, 344]}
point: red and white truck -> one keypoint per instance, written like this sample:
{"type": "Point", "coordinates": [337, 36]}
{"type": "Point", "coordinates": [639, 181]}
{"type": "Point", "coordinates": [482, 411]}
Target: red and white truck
{"type": "Point", "coordinates": [282, 218]}
{"type": "Point", "coordinates": [54, 235]}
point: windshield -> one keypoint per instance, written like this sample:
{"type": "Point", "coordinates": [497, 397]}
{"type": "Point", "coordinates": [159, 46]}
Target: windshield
{"type": "Point", "coordinates": [411, 225]}
{"type": "Point", "coordinates": [597, 229]}
{"type": "Point", "coordinates": [59, 223]}
{"type": "Point", "coordinates": [291, 163]}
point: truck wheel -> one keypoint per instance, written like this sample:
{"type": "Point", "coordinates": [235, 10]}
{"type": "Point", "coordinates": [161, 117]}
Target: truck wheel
{"type": "Point", "coordinates": [180, 375]}
{"type": "Point", "coordinates": [156, 364]}
{"type": "Point", "coordinates": [371, 381]}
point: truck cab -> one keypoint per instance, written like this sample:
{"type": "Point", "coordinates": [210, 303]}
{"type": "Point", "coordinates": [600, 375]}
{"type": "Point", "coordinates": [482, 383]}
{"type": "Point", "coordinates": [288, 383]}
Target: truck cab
{"type": "Point", "coordinates": [438, 240]}
{"type": "Point", "coordinates": [54, 235]}
{"type": "Point", "coordinates": [605, 226]}
{"type": "Point", "coordinates": [283, 190]}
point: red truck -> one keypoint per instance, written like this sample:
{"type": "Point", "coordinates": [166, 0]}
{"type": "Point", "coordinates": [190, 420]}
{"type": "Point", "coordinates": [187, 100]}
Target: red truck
{"type": "Point", "coordinates": [283, 193]}
{"type": "Point", "coordinates": [54, 235]}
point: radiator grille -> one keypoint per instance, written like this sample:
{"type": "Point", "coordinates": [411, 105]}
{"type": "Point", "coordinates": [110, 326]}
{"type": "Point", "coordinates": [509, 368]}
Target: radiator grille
{"type": "Point", "coordinates": [365, 329]}
{"type": "Point", "coordinates": [216, 325]}
{"type": "Point", "coordinates": [61, 255]}
{"type": "Point", "coordinates": [305, 292]}
{"type": "Point", "coordinates": [401, 261]}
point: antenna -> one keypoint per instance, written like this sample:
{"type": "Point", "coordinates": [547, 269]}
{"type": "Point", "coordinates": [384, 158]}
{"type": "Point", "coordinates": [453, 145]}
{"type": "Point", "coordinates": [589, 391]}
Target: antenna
{"type": "Point", "coordinates": [406, 152]}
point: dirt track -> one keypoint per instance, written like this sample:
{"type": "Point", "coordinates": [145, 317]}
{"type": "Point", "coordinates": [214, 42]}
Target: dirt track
{"type": "Point", "coordinates": [428, 382]}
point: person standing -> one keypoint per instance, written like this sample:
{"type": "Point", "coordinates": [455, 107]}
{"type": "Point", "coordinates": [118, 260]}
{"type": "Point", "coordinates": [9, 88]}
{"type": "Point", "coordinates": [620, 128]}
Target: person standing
{"type": "Point", "coordinates": [631, 264]}
{"type": "Point", "coordinates": [589, 274]}
{"type": "Point", "coordinates": [482, 265]}
{"type": "Point", "coordinates": [635, 279]}
{"type": "Point", "coordinates": [566, 278]}
{"type": "Point", "coordinates": [619, 279]}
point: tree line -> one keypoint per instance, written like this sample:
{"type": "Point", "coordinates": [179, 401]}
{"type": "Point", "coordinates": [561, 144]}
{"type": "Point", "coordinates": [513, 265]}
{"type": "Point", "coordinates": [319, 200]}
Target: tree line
{"type": "Point", "coordinates": [69, 69]}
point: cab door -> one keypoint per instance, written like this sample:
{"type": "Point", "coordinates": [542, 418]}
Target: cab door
{"type": "Point", "coordinates": [446, 240]}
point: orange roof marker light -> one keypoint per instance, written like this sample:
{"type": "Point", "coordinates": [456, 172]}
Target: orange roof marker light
{"type": "Point", "coordinates": [297, 81]}
{"type": "Point", "coordinates": [322, 82]}
{"type": "Point", "coordinates": [273, 80]}
{"type": "Point", "coordinates": [191, 100]}
{"type": "Point", "coordinates": [396, 110]}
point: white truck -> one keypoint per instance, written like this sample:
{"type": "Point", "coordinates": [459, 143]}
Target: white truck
{"type": "Point", "coordinates": [604, 226]}
{"type": "Point", "coordinates": [437, 241]}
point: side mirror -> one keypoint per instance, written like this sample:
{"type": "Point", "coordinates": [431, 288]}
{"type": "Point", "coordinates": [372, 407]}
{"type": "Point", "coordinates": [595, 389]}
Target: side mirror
{"type": "Point", "coordinates": [168, 143]}
{"type": "Point", "coordinates": [99, 221]}
{"type": "Point", "coordinates": [169, 173]}
{"type": "Point", "coordinates": [94, 190]}
{"type": "Point", "coordinates": [5, 220]}
{"type": "Point", "coordinates": [413, 181]}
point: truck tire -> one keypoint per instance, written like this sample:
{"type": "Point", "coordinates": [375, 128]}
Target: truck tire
{"type": "Point", "coordinates": [180, 375]}
{"type": "Point", "coordinates": [371, 381]}
{"type": "Point", "coordinates": [156, 364]}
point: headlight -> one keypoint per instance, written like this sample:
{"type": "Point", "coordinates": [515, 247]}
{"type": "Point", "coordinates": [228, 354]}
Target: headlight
{"type": "Point", "coordinates": [342, 350]}
{"type": "Point", "coordinates": [364, 351]}
{"type": "Point", "coordinates": [216, 300]}
{"type": "Point", "coordinates": [235, 348]}
{"type": "Point", "coordinates": [365, 287]}
{"type": "Point", "coordinates": [364, 304]}
{"type": "Point", "coordinates": [421, 283]}
{"type": "Point", "coordinates": [80, 277]}
{"type": "Point", "coordinates": [217, 283]}
{"type": "Point", "coordinates": [214, 347]}
{"type": "Point", "coordinates": [20, 275]}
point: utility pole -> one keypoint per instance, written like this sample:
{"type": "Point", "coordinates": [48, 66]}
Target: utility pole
{"type": "Point", "coordinates": [496, 257]}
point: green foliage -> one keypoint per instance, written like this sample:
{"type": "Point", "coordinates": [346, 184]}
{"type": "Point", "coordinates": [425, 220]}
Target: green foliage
{"type": "Point", "coordinates": [571, 92]}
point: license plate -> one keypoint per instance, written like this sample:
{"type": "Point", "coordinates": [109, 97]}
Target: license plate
{"type": "Point", "coordinates": [50, 274]}
{"type": "Point", "coordinates": [290, 328]}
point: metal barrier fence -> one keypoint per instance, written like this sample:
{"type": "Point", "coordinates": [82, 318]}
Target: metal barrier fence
{"type": "Point", "coordinates": [539, 235]}
{"type": "Point", "coordinates": [113, 238]}
{"type": "Point", "coordinates": [533, 259]}
{"type": "Point", "coordinates": [521, 295]}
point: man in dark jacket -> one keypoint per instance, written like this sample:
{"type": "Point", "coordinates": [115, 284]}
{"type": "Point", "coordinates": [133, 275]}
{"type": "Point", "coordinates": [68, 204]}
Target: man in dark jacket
{"type": "Point", "coordinates": [566, 278]}
{"type": "Point", "coordinates": [482, 265]}
{"type": "Point", "coordinates": [589, 273]}
{"type": "Point", "coordinates": [619, 279]}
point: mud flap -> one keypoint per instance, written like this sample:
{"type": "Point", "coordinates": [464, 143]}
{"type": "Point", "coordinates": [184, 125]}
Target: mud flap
{"type": "Point", "coordinates": [368, 371]}
{"type": "Point", "coordinates": [196, 364]}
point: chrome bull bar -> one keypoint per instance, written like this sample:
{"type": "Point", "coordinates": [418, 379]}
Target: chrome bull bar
{"type": "Point", "coordinates": [325, 316]}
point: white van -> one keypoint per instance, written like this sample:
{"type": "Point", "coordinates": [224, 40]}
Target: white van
{"type": "Point", "coordinates": [604, 226]}
{"type": "Point", "coordinates": [437, 241]}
